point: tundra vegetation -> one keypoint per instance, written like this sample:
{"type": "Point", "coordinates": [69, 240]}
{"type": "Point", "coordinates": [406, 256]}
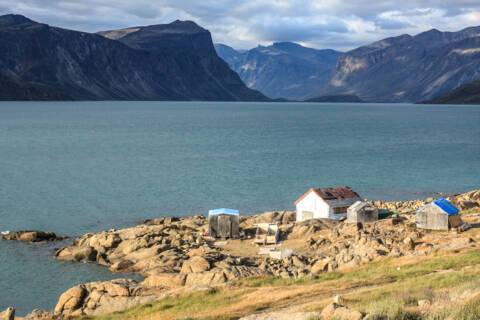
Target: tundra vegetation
{"type": "Point", "coordinates": [388, 269]}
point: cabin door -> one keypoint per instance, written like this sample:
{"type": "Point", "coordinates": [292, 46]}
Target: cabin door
{"type": "Point", "coordinates": [224, 226]}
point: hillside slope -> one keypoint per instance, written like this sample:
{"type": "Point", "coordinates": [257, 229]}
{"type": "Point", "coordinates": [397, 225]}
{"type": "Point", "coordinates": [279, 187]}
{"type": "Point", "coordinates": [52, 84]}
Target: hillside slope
{"type": "Point", "coordinates": [40, 62]}
{"type": "Point", "coordinates": [466, 94]}
{"type": "Point", "coordinates": [427, 288]}
{"type": "Point", "coordinates": [408, 68]}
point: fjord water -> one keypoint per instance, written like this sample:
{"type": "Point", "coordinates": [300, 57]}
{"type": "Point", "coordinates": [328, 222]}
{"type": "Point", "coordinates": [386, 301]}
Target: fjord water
{"type": "Point", "coordinates": [76, 167]}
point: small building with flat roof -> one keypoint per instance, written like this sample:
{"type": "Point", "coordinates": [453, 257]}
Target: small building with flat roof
{"type": "Point", "coordinates": [362, 211]}
{"type": "Point", "coordinates": [224, 223]}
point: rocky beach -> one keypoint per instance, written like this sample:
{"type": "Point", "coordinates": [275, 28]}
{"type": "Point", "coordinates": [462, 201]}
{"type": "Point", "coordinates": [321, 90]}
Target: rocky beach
{"type": "Point", "coordinates": [176, 256]}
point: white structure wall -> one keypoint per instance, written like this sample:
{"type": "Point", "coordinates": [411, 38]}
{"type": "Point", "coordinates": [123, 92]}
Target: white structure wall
{"type": "Point", "coordinates": [314, 207]}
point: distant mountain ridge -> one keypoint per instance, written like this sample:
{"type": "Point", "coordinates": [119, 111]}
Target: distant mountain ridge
{"type": "Point", "coordinates": [175, 61]}
{"type": "Point", "coordinates": [408, 68]}
{"type": "Point", "coordinates": [397, 69]}
{"type": "Point", "coordinates": [282, 70]}
{"type": "Point", "coordinates": [178, 61]}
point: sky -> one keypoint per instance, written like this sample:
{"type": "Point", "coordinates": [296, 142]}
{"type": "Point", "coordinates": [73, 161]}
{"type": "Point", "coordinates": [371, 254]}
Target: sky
{"type": "Point", "coordinates": [244, 24]}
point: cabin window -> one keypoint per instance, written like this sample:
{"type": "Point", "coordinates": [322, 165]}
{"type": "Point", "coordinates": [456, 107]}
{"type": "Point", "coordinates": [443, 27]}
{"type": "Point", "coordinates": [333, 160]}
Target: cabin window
{"type": "Point", "coordinates": [340, 210]}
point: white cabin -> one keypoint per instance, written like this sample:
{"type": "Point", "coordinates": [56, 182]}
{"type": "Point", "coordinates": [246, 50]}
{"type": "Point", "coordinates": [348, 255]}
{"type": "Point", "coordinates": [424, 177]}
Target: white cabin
{"type": "Point", "coordinates": [326, 203]}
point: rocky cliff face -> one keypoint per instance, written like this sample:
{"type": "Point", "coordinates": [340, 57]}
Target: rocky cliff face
{"type": "Point", "coordinates": [175, 61]}
{"type": "Point", "coordinates": [282, 70]}
{"type": "Point", "coordinates": [408, 69]}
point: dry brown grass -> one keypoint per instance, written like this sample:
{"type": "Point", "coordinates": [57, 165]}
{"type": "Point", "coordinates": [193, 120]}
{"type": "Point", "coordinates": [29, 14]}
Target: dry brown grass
{"type": "Point", "coordinates": [387, 290]}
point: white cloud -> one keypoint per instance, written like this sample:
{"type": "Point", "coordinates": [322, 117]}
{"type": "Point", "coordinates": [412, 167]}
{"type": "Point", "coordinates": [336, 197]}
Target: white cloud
{"type": "Point", "coordinates": [243, 24]}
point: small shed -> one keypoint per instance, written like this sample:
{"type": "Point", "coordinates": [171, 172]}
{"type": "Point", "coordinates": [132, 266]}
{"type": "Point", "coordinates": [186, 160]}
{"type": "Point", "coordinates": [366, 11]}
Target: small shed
{"type": "Point", "coordinates": [362, 211]}
{"type": "Point", "coordinates": [223, 223]}
{"type": "Point", "coordinates": [439, 214]}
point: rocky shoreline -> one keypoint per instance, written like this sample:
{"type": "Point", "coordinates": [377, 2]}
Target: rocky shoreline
{"type": "Point", "coordinates": [32, 236]}
{"type": "Point", "coordinates": [175, 255]}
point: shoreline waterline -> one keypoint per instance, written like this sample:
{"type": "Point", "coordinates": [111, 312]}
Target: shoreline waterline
{"type": "Point", "coordinates": [78, 167]}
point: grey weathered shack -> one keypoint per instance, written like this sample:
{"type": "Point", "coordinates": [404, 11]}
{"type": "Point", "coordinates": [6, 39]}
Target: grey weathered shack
{"type": "Point", "coordinates": [362, 211]}
{"type": "Point", "coordinates": [438, 215]}
{"type": "Point", "coordinates": [223, 223]}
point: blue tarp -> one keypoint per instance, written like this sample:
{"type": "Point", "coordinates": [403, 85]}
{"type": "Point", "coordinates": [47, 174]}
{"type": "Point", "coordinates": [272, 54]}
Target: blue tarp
{"type": "Point", "coordinates": [446, 206]}
{"type": "Point", "coordinates": [223, 211]}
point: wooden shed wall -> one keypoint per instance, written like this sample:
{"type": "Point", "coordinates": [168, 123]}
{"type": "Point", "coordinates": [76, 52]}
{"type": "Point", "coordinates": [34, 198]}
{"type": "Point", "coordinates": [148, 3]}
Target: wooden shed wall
{"type": "Point", "coordinates": [362, 215]}
{"type": "Point", "coordinates": [223, 226]}
{"type": "Point", "coordinates": [429, 219]}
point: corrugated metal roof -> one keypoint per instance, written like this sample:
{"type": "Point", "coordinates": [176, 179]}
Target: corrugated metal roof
{"type": "Point", "coordinates": [233, 212]}
{"type": "Point", "coordinates": [446, 206]}
{"type": "Point", "coordinates": [336, 193]}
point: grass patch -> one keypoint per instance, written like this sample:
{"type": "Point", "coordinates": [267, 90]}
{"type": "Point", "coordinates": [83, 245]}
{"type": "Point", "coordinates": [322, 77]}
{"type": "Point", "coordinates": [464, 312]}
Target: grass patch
{"type": "Point", "coordinates": [380, 289]}
{"type": "Point", "coordinates": [281, 282]}
{"type": "Point", "coordinates": [179, 307]}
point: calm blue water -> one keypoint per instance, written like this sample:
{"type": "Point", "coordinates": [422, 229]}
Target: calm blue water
{"type": "Point", "coordinates": [81, 166]}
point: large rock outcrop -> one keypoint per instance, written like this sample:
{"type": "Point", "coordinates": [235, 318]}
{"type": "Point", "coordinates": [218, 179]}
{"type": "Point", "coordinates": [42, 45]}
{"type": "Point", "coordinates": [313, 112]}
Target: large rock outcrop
{"type": "Point", "coordinates": [31, 236]}
{"type": "Point", "coordinates": [102, 298]}
{"type": "Point", "coordinates": [8, 314]}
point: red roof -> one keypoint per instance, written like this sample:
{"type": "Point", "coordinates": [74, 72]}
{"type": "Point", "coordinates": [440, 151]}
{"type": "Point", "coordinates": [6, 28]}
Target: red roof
{"type": "Point", "coordinates": [336, 193]}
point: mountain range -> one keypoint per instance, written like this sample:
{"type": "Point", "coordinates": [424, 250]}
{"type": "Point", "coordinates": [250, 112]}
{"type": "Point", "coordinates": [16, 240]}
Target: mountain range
{"type": "Point", "coordinates": [408, 68]}
{"type": "Point", "coordinates": [178, 61]}
{"type": "Point", "coordinates": [398, 69]}
{"type": "Point", "coordinates": [282, 70]}
{"type": "Point", "coordinates": [175, 61]}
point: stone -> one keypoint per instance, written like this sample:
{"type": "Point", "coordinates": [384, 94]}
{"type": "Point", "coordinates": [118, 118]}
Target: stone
{"type": "Point", "coordinates": [71, 300]}
{"type": "Point", "coordinates": [165, 280]}
{"type": "Point", "coordinates": [98, 298]}
{"type": "Point", "coordinates": [208, 278]}
{"type": "Point", "coordinates": [202, 251]}
{"type": "Point", "coordinates": [338, 299]}
{"type": "Point", "coordinates": [328, 311]}
{"type": "Point", "coordinates": [297, 262]}
{"type": "Point", "coordinates": [8, 314]}
{"type": "Point", "coordinates": [320, 266]}
{"type": "Point", "coordinates": [132, 245]}
{"type": "Point", "coordinates": [344, 313]}
{"type": "Point", "coordinates": [76, 254]}
{"type": "Point", "coordinates": [121, 266]}
{"type": "Point", "coordinates": [336, 311]}
{"type": "Point", "coordinates": [37, 314]}
{"type": "Point", "coordinates": [409, 243]}
{"type": "Point", "coordinates": [195, 264]}
{"type": "Point", "coordinates": [31, 236]}
{"type": "Point", "coordinates": [106, 242]}
{"type": "Point", "coordinates": [241, 271]}
{"type": "Point", "coordinates": [423, 302]}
